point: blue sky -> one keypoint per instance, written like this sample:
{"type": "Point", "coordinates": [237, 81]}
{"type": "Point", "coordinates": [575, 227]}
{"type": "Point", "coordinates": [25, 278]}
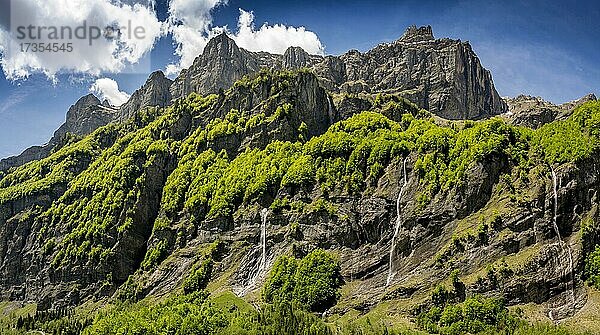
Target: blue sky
{"type": "Point", "coordinates": [541, 48]}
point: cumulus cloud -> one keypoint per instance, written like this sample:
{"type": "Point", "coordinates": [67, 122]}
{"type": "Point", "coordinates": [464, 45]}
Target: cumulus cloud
{"type": "Point", "coordinates": [108, 89]}
{"type": "Point", "coordinates": [104, 55]}
{"type": "Point", "coordinates": [276, 38]}
{"type": "Point", "coordinates": [191, 27]}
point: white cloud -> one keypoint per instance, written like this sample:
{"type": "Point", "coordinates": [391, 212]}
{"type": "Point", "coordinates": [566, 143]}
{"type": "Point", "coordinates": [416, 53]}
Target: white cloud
{"type": "Point", "coordinates": [191, 26]}
{"type": "Point", "coordinates": [190, 23]}
{"type": "Point", "coordinates": [102, 56]}
{"type": "Point", "coordinates": [276, 38]}
{"type": "Point", "coordinates": [108, 89]}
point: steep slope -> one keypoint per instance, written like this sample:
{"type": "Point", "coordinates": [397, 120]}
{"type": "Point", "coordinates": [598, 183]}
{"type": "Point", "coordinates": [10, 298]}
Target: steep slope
{"type": "Point", "coordinates": [154, 93]}
{"type": "Point", "coordinates": [272, 192]}
{"type": "Point", "coordinates": [221, 64]}
{"type": "Point", "coordinates": [441, 75]}
{"type": "Point", "coordinates": [89, 114]}
{"type": "Point", "coordinates": [478, 202]}
{"type": "Point", "coordinates": [89, 218]}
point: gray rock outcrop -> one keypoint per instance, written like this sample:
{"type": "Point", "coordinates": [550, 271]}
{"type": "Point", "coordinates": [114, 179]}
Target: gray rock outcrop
{"type": "Point", "coordinates": [154, 93]}
{"type": "Point", "coordinates": [534, 112]}
{"type": "Point", "coordinates": [441, 75]}
{"type": "Point", "coordinates": [85, 116]}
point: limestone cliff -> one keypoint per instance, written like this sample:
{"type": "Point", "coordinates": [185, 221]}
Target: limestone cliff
{"type": "Point", "coordinates": [441, 75]}
{"type": "Point", "coordinates": [154, 93]}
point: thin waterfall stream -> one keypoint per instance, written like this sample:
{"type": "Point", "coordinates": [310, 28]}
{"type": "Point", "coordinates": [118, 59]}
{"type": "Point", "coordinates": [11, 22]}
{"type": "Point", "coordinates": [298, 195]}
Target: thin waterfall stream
{"type": "Point", "coordinates": [264, 215]}
{"type": "Point", "coordinates": [391, 272]}
{"type": "Point", "coordinates": [330, 109]}
{"type": "Point", "coordinates": [255, 270]}
{"type": "Point", "coordinates": [565, 248]}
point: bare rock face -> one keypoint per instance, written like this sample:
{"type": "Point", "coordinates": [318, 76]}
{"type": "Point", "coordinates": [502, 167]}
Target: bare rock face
{"type": "Point", "coordinates": [85, 116]}
{"type": "Point", "coordinates": [221, 64]}
{"type": "Point", "coordinates": [154, 93]}
{"type": "Point", "coordinates": [30, 154]}
{"type": "Point", "coordinates": [534, 112]}
{"type": "Point", "coordinates": [443, 76]}
{"type": "Point", "coordinates": [414, 34]}
{"type": "Point", "coordinates": [296, 58]}
{"type": "Point", "coordinates": [576, 103]}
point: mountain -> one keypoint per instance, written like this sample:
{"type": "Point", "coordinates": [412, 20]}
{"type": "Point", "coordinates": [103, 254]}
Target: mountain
{"type": "Point", "coordinates": [85, 116]}
{"type": "Point", "coordinates": [534, 112]}
{"type": "Point", "coordinates": [288, 203]}
{"type": "Point", "coordinates": [443, 76]}
{"type": "Point", "coordinates": [155, 92]}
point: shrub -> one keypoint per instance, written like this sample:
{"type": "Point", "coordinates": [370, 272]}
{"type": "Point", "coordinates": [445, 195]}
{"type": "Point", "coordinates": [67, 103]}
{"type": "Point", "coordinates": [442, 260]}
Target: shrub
{"type": "Point", "coordinates": [312, 281]}
{"type": "Point", "coordinates": [199, 276]}
{"type": "Point", "coordinates": [187, 314]}
{"type": "Point", "coordinates": [474, 315]}
{"type": "Point", "coordinates": [592, 267]}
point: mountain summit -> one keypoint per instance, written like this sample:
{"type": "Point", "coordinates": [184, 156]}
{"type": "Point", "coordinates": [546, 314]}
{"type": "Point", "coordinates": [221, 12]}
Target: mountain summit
{"type": "Point", "coordinates": [414, 34]}
{"type": "Point", "coordinates": [443, 76]}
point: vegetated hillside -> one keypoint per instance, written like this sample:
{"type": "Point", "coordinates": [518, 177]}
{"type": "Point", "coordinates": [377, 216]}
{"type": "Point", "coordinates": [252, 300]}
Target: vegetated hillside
{"type": "Point", "coordinates": [275, 208]}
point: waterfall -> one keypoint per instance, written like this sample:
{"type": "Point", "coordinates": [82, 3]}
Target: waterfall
{"type": "Point", "coordinates": [330, 109]}
{"type": "Point", "coordinates": [391, 273]}
{"type": "Point", "coordinates": [565, 248]}
{"type": "Point", "coordinates": [263, 239]}
{"type": "Point", "coordinates": [250, 269]}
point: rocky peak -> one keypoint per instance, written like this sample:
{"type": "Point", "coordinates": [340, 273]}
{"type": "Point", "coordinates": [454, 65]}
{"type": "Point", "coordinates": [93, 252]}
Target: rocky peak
{"type": "Point", "coordinates": [515, 104]}
{"type": "Point", "coordinates": [77, 116]}
{"type": "Point", "coordinates": [576, 103]}
{"type": "Point", "coordinates": [414, 34]}
{"type": "Point", "coordinates": [589, 97]}
{"type": "Point", "coordinates": [443, 76]}
{"type": "Point", "coordinates": [83, 117]}
{"type": "Point", "coordinates": [221, 46]}
{"type": "Point", "coordinates": [155, 76]}
{"type": "Point", "coordinates": [534, 112]}
{"type": "Point", "coordinates": [84, 102]}
{"type": "Point", "coordinates": [295, 57]}
{"type": "Point", "coordinates": [218, 67]}
{"type": "Point", "coordinates": [155, 92]}
{"type": "Point", "coordinates": [106, 103]}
